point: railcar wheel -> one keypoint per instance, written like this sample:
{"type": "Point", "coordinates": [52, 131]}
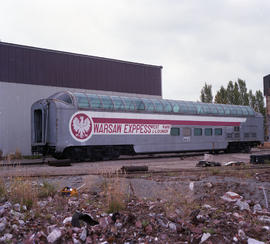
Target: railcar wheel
{"type": "Point", "coordinates": [75, 154]}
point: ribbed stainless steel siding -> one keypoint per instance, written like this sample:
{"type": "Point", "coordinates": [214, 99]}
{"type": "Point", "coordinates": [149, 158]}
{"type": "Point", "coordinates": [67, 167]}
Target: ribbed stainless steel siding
{"type": "Point", "coordinates": [28, 65]}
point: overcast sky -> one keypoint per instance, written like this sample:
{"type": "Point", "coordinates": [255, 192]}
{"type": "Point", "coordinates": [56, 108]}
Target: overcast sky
{"type": "Point", "coordinates": [196, 41]}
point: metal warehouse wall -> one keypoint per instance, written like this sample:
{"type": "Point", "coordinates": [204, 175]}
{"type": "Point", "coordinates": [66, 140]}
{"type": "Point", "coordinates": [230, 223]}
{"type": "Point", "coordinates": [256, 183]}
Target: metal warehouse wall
{"type": "Point", "coordinates": [28, 65]}
{"type": "Point", "coordinates": [15, 105]}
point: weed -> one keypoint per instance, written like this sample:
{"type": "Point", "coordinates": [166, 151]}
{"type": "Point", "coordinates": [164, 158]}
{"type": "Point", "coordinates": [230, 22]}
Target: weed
{"type": "Point", "coordinates": [22, 191]}
{"type": "Point", "coordinates": [47, 189]}
{"type": "Point", "coordinates": [35, 156]}
{"type": "Point", "coordinates": [209, 230]}
{"type": "Point", "coordinates": [113, 189]}
{"type": "Point", "coordinates": [215, 171]}
{"type": "Point", "coordinates": [3, 190]}
{"type": "Point", "coordinates": [145, 222]}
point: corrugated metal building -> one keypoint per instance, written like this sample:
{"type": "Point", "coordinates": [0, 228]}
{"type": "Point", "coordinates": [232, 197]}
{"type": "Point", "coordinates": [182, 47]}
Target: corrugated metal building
{"type": "Point", "coordinates": [28, 74]}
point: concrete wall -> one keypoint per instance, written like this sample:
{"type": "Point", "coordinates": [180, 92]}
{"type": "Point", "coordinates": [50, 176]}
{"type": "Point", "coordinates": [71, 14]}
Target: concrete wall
{"type": "Point", "coordinates": [15, 105]}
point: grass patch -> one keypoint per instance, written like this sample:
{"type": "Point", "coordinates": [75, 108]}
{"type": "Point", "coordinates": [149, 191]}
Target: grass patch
{"type": "Point", "coordinates": [46, 190]}
{"type": "Point", "coordinates": [114, 194]}
{"type": "Point", "coordinates": [22, 191]}
{"type": "Point", "coordinates": [3, 190]}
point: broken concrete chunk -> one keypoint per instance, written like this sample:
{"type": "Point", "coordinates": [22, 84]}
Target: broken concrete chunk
{"type": "Point", "coordinates": [205, 236]}
{"type": "Point", "coordinates": [257, 208]}
{"type": "Point", "coordinates": [67, 220]}
{"type": "Point", "coordinates": [243, 205]}
{"type": "Point", "coordinates": [54, 235]}
{"type": "Point", "coordinates": [254, 241]}
{"type": "Point", "coordinates": [231, 196]}
{"type": "Point", "coordinates": [83, 234]}
{"type": "Point", "coordinates": [84, 217]}
{"type": "Point", "coordinates": [234, 163]}
{"type": "Point", "coordinates": [264, 219]}
{"type": "Point", "coordinates": [203, 163]}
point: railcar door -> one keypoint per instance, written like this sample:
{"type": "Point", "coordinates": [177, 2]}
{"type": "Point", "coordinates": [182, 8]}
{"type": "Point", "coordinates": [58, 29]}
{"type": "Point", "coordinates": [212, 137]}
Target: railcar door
{"type": "Point", "coordinates": [39, 118]}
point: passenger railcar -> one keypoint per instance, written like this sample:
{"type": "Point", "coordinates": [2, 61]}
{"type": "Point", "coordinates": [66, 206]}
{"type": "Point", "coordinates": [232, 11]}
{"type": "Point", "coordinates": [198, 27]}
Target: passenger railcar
{"type": "Point", "coordinates": [91, 127]}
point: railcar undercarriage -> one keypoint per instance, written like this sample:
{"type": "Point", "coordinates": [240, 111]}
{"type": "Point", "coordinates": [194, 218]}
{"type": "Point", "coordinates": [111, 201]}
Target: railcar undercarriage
{"type": "Point", "coordinates": [98, 153]}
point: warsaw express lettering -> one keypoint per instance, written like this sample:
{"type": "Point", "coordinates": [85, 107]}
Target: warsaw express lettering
{"type": "Point", "coordinates": [131, 129]}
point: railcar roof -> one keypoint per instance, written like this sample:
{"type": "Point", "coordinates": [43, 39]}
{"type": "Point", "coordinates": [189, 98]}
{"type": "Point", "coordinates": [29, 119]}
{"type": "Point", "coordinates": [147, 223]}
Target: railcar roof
{"type": "Point", "coordinates": [91, 101]}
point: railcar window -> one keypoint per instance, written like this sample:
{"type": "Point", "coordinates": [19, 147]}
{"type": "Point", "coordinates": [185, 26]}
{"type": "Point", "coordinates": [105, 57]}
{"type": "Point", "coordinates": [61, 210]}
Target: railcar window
{"type": "Point", "coordinates": [220, 109]}
{"type": "Point", "coordinates": [205, 108]}
{"type": "Point", "coordinates": [197, 131]}
{"type": "Point", "coordinates": [65, 98]}
{"type": "Point", "coordinates": [175, 131]}
{"type": "Point", "coordinates": [149, 106]}
{"type": "Point", "coordinates": [107, 102]}
{"type": "Point", "coordinates": [82, 100]}
{"type": "Point", "coordinates": [199, 108]}
{"type": "Point", "coordinates": [244, 110]}
{"type": "Point", "coordinates": [227, 110]}
{"type": "Point", "coordinates": [208, 131]}
{"type": "Point", "coordinates": [191, 108]}
{"type": "Point", "coordinates": [175, 106]}
{"type": "Point", "coordinates": [138, 103]}
{"type": "Point", "coordinates": [246, 135]}
{"type": "Point", "coordinates": [158, 105]}
{"type": "Point", "coordinates": [236, 128]}
{"type": "Point", "coordinates": [166, 105]}
{"type": "Point", "coordinates": [250, 111]}
{"type": "Point", "coordinates": [129, 105]}
{"type": "Point", "coordinates": [182, 107]}
{"type": "Point", "coordinates": [212, 108]}
{"type": "Point", "coordinates": [229, 135]}
{"type": "Point", "coordinates": [254, 134]}
{"type": "Point", "coordinates": [233, 110]}
{"type": "Point", "coordinates": [218, 131]}
{"type": "Point", "coordinates": [239, 111]}
{"type": "Point", "coordinates": [118, 103]}
{"type": "Point", "coordinates": [186, 131]}
{"type": "Point", "coordinates": [236, 135]}
{"type": "Point", "coordinates": [94, 101]}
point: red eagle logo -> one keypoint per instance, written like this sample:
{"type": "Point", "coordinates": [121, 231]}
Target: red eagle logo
{"type": "Point", "coordinates": [81, 126]}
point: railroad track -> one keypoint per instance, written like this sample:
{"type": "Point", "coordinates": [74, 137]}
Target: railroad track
{"type": "Point", "coordinates": [67, 162]}
{"type": "Point", "coordinates": [163, 172]}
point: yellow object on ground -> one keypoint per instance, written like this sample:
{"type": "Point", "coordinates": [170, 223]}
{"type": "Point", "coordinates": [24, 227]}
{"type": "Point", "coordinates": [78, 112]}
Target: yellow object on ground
{"type": "Point", "coordinates": [68, 191]}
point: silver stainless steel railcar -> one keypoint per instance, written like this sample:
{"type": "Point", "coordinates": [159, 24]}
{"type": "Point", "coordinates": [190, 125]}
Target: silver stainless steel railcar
{"type": "Point", "coordinates": [91, 127]}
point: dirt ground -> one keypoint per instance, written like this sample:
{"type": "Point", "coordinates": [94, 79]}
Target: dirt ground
{"type": "Point", "coordinates": [187, 205]}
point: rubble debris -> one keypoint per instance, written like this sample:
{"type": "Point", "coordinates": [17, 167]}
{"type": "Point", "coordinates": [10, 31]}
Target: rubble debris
{"type": "Point", "coordinates": [259, 159]}
{"type": "Point", "coordinates": [60, 163]}
{"type": "Point", "coordinates": [243, 205]}
{"type": "Point", "coordinates": [231, 196]}
{"type": "Point", "coordinates": [203, 163]}
{"type": "Point", "coordinates": [75, 222]}
{"type": "Point", "coordinates": [265, 219]}
{"type": "Point", "coordinates": [133, 168]}
{"type": "Point", "coordinates": [69, 191]}
{"type": "Point", "coordinates": [205, 236]}
{"type": "Point", "coordinates": [204, 217]}
{"type": "Point", "coordinates": [54, 235]}
{"type": "Point", "coordinates": [234, 163]}
{"type": "Point", "coordinates": [257, 208]}
{"type": "Point", "coordinates": [253, 241]}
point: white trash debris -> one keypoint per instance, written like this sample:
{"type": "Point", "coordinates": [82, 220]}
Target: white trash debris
{"type": "Point", "coordinates": [231, 196]}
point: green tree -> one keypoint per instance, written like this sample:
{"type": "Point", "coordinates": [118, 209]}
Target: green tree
{"type": "Point", "coordinates": [236, 94]}
{"type": "Point", "coordinates": [221, 96]}
{"type": "Point", "coordinates": [259, 102]}
{"type": "Point", "coordinates": [230, 92]}
{"type": "Point", "coordinates": [251, 99]}
{"type": "Point", "coordinates": [243, 92]}
{"type": "Point", "coordinates": [206, 94]}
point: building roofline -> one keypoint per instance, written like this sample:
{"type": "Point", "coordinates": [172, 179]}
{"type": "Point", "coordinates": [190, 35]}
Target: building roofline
{"type": "Point", "coordinates": [76, 54]}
